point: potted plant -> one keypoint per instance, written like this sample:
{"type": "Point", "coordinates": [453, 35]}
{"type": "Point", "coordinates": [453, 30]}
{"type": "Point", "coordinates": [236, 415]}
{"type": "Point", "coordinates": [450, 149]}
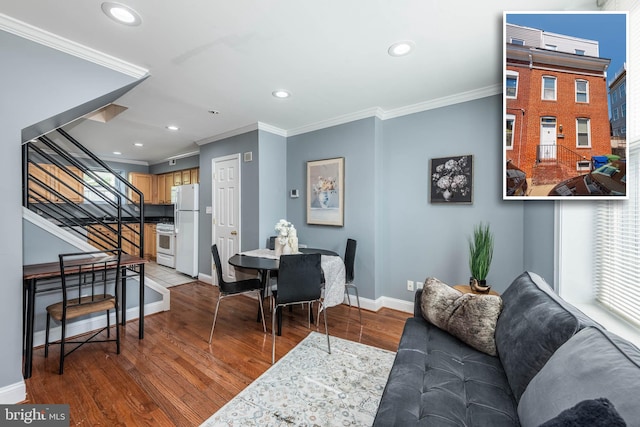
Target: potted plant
{"type": "Point", "coordinates": [480, 255]}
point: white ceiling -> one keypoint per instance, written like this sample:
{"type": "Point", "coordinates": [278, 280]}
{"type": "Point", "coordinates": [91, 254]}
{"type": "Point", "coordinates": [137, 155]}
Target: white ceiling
{"type": "Point", "coordinates": [230, 55]}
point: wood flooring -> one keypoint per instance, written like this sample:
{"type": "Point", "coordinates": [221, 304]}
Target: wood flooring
{"type": "Point", "coordinates": [173, 377]}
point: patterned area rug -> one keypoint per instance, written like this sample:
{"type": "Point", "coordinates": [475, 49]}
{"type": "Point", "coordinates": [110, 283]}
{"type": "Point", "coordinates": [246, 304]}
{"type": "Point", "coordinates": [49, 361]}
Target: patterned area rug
{"type": "Point", "coordinates": [309, 387]}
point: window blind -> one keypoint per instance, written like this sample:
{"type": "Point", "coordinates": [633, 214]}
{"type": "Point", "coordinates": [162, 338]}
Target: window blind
{"type": "Point", "coordinates": [616, 255]}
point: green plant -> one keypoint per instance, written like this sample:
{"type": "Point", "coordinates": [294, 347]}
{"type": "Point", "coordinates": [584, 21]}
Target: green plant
{"type": "Point", "coordinates": [480, 251]}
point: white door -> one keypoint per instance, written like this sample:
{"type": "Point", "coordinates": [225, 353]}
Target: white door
{"type": "Point", "coordinates": [548, 138]}
{"type": "Point", "coordinates": [226, 211]}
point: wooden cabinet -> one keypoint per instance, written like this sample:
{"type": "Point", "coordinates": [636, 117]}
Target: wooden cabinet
{"type": "Point", "coordinates": [131, 239]}
{"type": "Point", "coordinates": [177, 178]}
{"type": "Point", "coordinates": [165, 182]}
{"type": "Point", "coordinates": [186, 177]}
{"type": "Point", "coordinates": [59, 181]}
{"type": "Point", "coordinates": [195, 175]}
{"type": "Point", "coordinates": [150, 241]}
{"type": "Point", "coordinates": [102, 237]}
{"type": "Point", "coordinates": [144, 183]}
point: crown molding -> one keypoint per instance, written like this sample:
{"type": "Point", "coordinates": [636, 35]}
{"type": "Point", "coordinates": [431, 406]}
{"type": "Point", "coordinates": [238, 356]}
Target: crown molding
{"type": "Point", "coordinates": [228, 134]}
{"type": "Point", "coordinates": [346, 118]}
{"type": "Point", "coordinates": [272, 129]}
{"type": "Point", "coordinates": [29, 32]}
{"type": "Point", "coordinates": [446, 101]}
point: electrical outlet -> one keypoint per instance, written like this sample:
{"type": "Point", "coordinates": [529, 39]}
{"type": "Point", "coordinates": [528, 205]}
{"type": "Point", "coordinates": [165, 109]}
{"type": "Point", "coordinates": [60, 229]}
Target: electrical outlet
{"type": "Point", "coordinates": [419, 285]}
{"type": "Point", "coordinates": [410, 285]}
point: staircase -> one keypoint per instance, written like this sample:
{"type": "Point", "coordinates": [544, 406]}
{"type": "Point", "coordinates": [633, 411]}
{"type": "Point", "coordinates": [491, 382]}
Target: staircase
{"type": "Point", "coordinates": [69, 186]}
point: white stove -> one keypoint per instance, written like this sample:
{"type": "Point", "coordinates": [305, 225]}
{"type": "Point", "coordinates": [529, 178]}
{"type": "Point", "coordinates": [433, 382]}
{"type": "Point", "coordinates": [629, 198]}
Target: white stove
{"type": "Point", "coordinates": [166, 244]}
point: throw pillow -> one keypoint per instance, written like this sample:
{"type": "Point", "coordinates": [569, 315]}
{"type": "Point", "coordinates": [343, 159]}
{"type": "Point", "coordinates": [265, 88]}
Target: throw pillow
{"type": "Point", "coordinates": [469, 317]}
{"type": "Point", "coordinates": [593, 413]}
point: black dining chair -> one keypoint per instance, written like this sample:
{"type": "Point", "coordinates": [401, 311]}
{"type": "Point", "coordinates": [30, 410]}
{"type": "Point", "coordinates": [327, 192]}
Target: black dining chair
{"type": "Point", "coordinates": [228, 289]}
{"type": "Point", "coordinates": [299, 282]}
{"type": "Point", "coordinates": [349, 262]}
{"type": "Point", "coordinates": [88, 278]}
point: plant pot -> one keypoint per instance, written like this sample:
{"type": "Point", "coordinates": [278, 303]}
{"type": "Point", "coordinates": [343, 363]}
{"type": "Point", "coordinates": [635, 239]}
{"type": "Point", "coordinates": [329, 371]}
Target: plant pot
{"type": "Point", "coordinates": [479, 286]}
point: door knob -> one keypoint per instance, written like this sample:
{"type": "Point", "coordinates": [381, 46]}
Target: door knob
{"type": "Point", "coordinates": [234, 233]}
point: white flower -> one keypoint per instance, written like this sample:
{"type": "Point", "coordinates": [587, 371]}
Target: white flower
{"type": "Point", "coordinates": [285, 231]}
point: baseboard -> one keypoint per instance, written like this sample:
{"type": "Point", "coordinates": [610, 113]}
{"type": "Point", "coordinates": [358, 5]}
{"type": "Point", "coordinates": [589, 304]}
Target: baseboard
{"type": "Point", "coordinates": [205, 278]}
{"type": "Point", "coordinates": [13, 393]}
{"type": "Point", "coordinates": [382, 302]}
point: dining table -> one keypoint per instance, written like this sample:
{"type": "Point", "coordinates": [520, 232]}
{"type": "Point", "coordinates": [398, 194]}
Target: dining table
{"type": "Point", "coordinates": [266, 262]}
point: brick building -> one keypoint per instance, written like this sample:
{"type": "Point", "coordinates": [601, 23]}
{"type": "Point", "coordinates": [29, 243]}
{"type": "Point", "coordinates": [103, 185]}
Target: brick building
{"type": "Point", "coordinates": [556, 103]}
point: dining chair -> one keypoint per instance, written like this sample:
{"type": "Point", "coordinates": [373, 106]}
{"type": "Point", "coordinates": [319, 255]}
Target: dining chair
{"type": "Point", "coordinates": [349, 262]}
{"type": "Point", "coordinates": [228, 289]}
{"type": "Point", "coordinates": [299, 282]}
{"type": "Point", "coordinates": [87, 280]}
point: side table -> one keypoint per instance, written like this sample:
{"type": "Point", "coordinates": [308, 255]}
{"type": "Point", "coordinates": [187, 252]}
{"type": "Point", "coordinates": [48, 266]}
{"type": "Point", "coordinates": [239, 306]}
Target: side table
{"type": "Point", "coordinates": [466, 289]}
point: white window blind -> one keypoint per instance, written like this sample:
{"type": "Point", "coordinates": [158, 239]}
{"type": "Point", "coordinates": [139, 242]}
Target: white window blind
{"type": "Point", "coordinates": [616, 257]}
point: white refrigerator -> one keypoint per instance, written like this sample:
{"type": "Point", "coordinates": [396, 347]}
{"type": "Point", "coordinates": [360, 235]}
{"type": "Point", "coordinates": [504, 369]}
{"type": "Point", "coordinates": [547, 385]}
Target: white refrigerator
{"type": "Point", "coordinates": [185, 199]}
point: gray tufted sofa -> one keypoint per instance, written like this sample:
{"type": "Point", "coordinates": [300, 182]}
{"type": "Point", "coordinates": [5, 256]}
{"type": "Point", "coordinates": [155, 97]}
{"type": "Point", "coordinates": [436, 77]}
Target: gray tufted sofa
{"type": "Point", "coordinates": [550, 357]}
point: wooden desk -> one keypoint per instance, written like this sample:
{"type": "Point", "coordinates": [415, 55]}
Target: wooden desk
{"type": "Point", "coordinates": [51, 270]}
{"type": "Point", "coordinates": [466, 289]}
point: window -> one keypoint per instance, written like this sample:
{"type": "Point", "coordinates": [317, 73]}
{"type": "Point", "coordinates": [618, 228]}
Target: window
{"type": "Point", "coordinates": [551, 46]}
{"type": "Point", "coordinates": [511, 120]}
{"type": "Point", "coordinates": [623, 110]}
{"type": "Point", "coordinates": [614, 96]}
{"type": "Point", "coordinates": [583, 138]}
{"type": "Point", "coordinates": [517, 41]}
{"type": "Point", "coordinates": [549, 88]}
{"type": "Point", "coordinates": [582, 91]}
{"type": "Point", "coordinates": [615, 114]}
{"type": "Point", "coordinates": [511, 90]}
{"type": "Point", "coordinates": [579, 51]}
{"type": "Point", "coordinates": [616, 250]}
{"type": "Point", "coordinates": [623, 90]}
{"type": "Point", "coordinates": [92, 187]}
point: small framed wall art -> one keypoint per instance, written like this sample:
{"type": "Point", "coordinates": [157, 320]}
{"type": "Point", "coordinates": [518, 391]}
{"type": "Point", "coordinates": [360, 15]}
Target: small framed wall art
{"type": "Point", "coordinates": [451, 179]}
{"type": "Point", "coordinates": [325, 192]}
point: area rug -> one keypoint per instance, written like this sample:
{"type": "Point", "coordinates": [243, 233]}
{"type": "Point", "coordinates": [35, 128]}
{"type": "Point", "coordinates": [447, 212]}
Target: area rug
{"type": "Point", "coordinates": [309, 387]}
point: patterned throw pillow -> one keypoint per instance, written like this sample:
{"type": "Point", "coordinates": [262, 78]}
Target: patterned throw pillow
{"type": "Point", "coordinates": [469, 317]}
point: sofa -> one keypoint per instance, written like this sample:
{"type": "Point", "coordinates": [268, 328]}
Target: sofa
{"type": "Point", "coordinates": [552, 361]}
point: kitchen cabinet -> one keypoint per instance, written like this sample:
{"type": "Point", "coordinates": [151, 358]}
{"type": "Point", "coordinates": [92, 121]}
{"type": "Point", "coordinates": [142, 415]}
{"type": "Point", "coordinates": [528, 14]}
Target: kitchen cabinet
{"type": "Point", "coordinates": [56, 178]}
{"type": "Point", "coordinates": [102, 237]}
{"type": "Point", "coordinates": [195, 175]}
{"type": "Point", "coordinates": [177, 178]}
{"type": "Point", "coordinates": [186, 176]}
{"type": "Point", "coordinates": [150, 241]}
{"type": "Point", "coordinates": [165, 182]}
{"type": "Point", "coordinates": [144, 183]}
{"type": "Point", "coordinates": [162, 183]}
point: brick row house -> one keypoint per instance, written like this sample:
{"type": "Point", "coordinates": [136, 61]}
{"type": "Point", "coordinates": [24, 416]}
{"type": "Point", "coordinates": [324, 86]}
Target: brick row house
{"type": "Point", "coordinates": [556, 104]}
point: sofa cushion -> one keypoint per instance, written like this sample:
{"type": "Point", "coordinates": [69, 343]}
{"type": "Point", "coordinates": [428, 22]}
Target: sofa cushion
{"type": "Point", "coordinates": [592, 412]}
{"type": "Point", "coordinates": [533, 324]}
{"type": "Point", "coordinates": [437, 380]}
{"type": "Point", "coordinates": [592, 364]}
{"type": "Point", "coordinates": [471, 318]}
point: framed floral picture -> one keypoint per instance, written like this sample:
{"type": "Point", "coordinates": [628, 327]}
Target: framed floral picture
{"type": "Point", "coordinates": [452, 179]}
{"type": "Point", "coordinates": [325, 192]}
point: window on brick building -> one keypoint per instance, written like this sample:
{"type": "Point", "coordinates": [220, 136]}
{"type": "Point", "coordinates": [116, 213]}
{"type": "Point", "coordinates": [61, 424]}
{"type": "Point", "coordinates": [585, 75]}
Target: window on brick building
{"type": "Point", "coordinates": [511, 90]}
{"type": "Point", "coordinates": [583, 133]}
{"type": "Point", "coordinates": [549, 88]}
{"type": "Point", "coordinates": [510, 124]}
{"type": "Point", "coordinates": [582, 91]}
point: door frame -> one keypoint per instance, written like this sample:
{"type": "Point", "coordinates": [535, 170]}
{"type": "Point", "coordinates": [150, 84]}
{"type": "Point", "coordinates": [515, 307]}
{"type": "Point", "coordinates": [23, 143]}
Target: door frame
{"type": "Point", "coordinates": [236, 157]}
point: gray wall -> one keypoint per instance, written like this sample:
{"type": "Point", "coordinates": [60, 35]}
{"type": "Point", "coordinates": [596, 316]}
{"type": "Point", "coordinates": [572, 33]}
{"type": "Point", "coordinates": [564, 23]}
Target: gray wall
{"type": "Point", "coordinates": [185, 163]}
{"type": "Point", "coordinates": [272, 182]}
{"type": "Point", "coordinates": [424, 239]}
{"type": "Point", "coordinates": [401, 236]}
{"type": "Point", "coordinates": [538, 243]}
{"type": "Point", "coordinates": [356, 142]}
{"type": "Point", "coordinates": [37, 83]}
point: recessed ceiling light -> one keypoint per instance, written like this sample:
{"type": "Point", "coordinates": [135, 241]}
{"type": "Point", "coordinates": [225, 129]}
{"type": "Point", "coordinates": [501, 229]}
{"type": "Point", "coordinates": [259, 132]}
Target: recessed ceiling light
{"type": "Point", "coordinates": [121, 13]}
{"type": "Point", "coordinates": [138, 144]}
{"type": "Point", "coordinates": [401, 48]}
{"type": "Point", "coordinates": [117, 153]}
{"type": "Point", "coordinates": [173, 127]}
{"type": "Point", "coordinates": [282, 94]}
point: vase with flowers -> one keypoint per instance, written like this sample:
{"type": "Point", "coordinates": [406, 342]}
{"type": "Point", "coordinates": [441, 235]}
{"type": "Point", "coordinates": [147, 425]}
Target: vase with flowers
{"type": "Point", "coordinates": [324, 189]}
{"type": "Point", "coordinates": [287, 238]}
{"type": "Point", "coordinates": [451, 178]}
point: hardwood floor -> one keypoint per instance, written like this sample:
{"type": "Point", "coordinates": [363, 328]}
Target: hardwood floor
{"type": "Point", "coordinates": [173, 376]}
